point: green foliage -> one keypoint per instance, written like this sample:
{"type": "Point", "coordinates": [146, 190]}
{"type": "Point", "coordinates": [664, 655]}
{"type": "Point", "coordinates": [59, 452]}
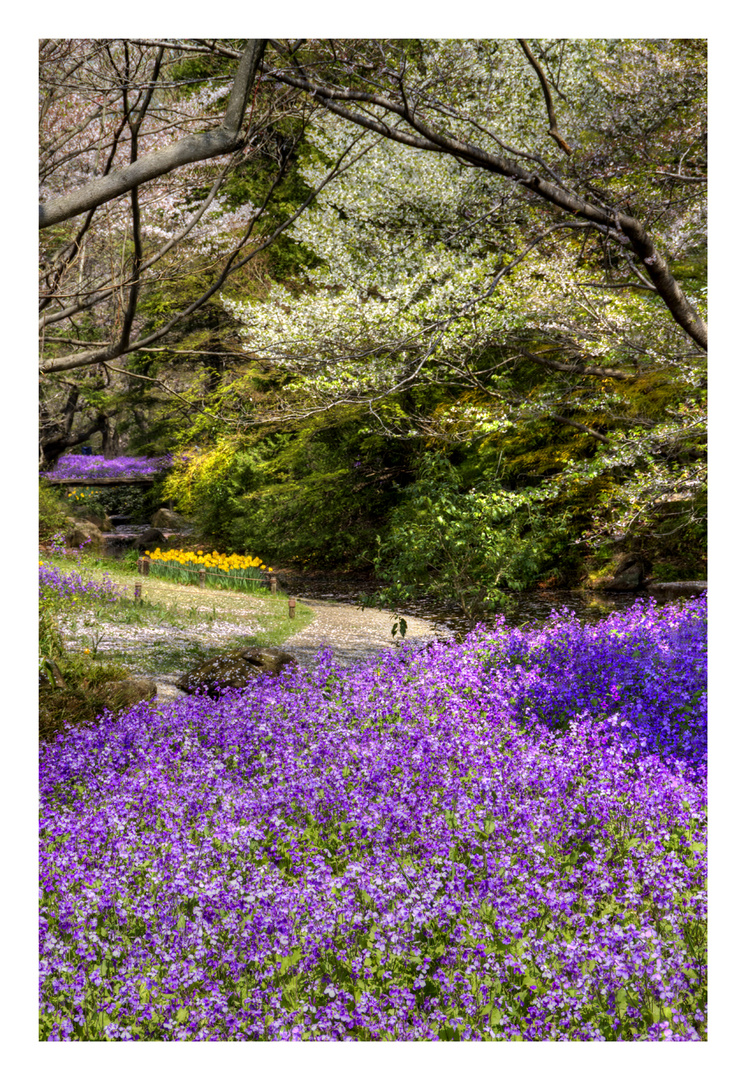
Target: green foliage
{"type": "Point", "coordinates": [134, 500]}
{"type": "Point", "coordinates": [316, 495]}
{"type": "Point", "coordinates": [51, 645]}
{"type": "Point", "coordinates": [52, 512]}
{"type": "Point", "coordinates": [69, 681]}
{"type": "Point", "coordinates": [466, 545]}
{"type": "Point", "coordinates": [129, 560]}
{"type": "Point", "coordinates": [286, 258]}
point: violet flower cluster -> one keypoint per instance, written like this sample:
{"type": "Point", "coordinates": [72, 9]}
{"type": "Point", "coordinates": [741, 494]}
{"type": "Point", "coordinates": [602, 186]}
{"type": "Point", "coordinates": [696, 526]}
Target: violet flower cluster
{"type": "Point", "coordinates": [497, 840]}
{"type": "Point", "coordinates": [79, 467]}
{"type": "Point", "coordinates": [53, 582]}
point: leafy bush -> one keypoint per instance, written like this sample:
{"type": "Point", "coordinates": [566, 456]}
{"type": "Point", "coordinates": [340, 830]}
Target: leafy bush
{"type": "Point", "coordinates": [316, 496]}
{"type": "Point", "coordinates": [52, 512]}
{"type": "Point", "coordinates": [469, 546]}
{"type": "Point", "coordinates": [137, 502]}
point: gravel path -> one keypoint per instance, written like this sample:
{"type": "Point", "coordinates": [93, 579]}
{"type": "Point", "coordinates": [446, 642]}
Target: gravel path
{"type": "Point", "coordinates": [351, 633]}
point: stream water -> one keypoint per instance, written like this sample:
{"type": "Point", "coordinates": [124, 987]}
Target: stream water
{"type": "Point", "coordinates": [529, 607]}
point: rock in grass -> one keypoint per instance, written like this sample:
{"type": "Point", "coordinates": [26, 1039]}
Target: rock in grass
{"type": "Point", "coordinates": [79, 533]}
{"type": "Point", "coordinates": [234, 670]}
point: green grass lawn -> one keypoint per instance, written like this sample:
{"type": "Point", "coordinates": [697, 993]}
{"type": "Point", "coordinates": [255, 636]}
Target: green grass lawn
{"type": "Point", "coordinates": [180, 611]}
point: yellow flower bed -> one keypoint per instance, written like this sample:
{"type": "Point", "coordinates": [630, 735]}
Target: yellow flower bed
{"type": "Point", "coordinates": [226, 571]}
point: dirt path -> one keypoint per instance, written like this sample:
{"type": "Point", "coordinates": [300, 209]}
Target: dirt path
{"type": "Point", "coordinates": [187, 623]}
{"type": "Point", "coordinates": [351, 633]}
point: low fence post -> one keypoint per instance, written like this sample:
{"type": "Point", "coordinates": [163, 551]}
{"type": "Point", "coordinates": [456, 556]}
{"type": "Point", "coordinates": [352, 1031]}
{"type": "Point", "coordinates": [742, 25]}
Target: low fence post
{"type": "Point", "coordinates": [273, 585]}
{"type": "Point", "coordinates": [138, 592]}
{"type": "Point", "coordinates": [291, 607]}
{"type": "Point", "coordinates": [145, 565]}
{"type": "Point", "coordinates": [202, 576]}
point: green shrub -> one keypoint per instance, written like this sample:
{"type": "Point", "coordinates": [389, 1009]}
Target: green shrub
{"type": "Point", "coordinates": [316, 496]}
{"type": "Point", "coordinates": [469, 546]}
{"type": "Point", "coordinates": [52, 512]}
{"type": "Point", "coordinates": [134, 500]}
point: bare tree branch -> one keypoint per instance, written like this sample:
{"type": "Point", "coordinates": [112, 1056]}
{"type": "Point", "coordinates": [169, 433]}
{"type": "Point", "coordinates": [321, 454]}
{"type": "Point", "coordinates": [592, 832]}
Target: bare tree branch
{"type": "Point", "coordinates": [580, 368]}
{"type": "Point", "coordinates": [113, 350]}
{"type": "Point", "coordinates": [553, 130]}
{"type": "Point", "coordinates": [108, 286]}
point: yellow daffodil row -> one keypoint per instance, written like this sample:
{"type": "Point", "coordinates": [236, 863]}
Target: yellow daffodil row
{"type": "Point", "coordinates": [212, 559]}
{"type": "Point", "coordinates": [222, 571]}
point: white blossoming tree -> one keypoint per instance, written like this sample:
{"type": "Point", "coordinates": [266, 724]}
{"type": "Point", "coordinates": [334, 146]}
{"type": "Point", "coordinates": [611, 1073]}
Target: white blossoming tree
{"type": "Point", "coordinates": [444, 262]}
{"type": "Point", "coordinates": [503, 235]}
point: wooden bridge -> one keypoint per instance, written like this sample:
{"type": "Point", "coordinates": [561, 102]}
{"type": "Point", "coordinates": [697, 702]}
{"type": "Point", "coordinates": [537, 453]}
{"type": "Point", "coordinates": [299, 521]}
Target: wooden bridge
{"type": "Point", "coordinates": [102, 480]}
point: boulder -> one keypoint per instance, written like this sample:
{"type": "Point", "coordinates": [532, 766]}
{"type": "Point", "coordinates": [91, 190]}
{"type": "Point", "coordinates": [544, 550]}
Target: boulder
{"type": "Point", "coordinates": [151, 538]}
{"type": "Point", "coordinates": [628, 577]}
{"type": "Point", "coordinates": [179, 540]}
{"type": "Point", "coordinates": [628, 574]}
{"type": "Point", "coordinates": [79, 533]}
{"type": "Point", "coordinates": [168, 520]}
{"type": "Point", "coordinates": [234, 670]}
{"type": "Point", "coordinates": [91, 518]}
{"type": "Point", "coordinates": [670, 590]}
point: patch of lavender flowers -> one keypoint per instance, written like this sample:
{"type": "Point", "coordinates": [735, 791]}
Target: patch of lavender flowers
{"type": "Point", "coordinates": [80, 467]}
{"type": "Point", "coordinates": [53, 582]}
{"type": "Point", "coordinates": [462, 842]}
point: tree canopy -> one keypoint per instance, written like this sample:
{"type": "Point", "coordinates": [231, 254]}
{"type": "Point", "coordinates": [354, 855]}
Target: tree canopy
{"type": "Point", "coordinates": [474, 243]}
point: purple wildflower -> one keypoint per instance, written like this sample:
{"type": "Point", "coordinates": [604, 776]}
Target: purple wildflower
{"type": "Point", "coordinates": [464, 842]}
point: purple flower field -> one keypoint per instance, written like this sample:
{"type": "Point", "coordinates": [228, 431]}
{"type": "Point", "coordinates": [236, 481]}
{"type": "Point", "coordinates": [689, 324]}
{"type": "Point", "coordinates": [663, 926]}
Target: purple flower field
{"type": "Point", "coordinates": [54, 583]}
{"type": "Point", "coordinates": [502, 839]}
{"type": "Point", "coordinates": [79, 467]}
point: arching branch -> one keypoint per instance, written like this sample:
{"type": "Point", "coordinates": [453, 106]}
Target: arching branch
{"type": "Point", "coordinates": [192, 148]}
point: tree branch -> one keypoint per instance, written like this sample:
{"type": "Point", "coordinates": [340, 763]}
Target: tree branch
{"type": "Point", "coordinates": [622, 226]}
{"type": "Point", "coordinates": [577, 369]}
{"type": "Point", "coordinates": [114, 350]}
{"type": "Point", "coordinates": [553, 130]}
{"type": "Point", "coordinates": [209, 144]}
{"type": "Point", "coordinates": [108, 286]}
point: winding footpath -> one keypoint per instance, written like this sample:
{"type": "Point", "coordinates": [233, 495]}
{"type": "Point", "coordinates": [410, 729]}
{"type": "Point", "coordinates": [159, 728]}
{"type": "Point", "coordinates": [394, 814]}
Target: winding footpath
{"type": "Point", "coordinates": [352, 634]}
